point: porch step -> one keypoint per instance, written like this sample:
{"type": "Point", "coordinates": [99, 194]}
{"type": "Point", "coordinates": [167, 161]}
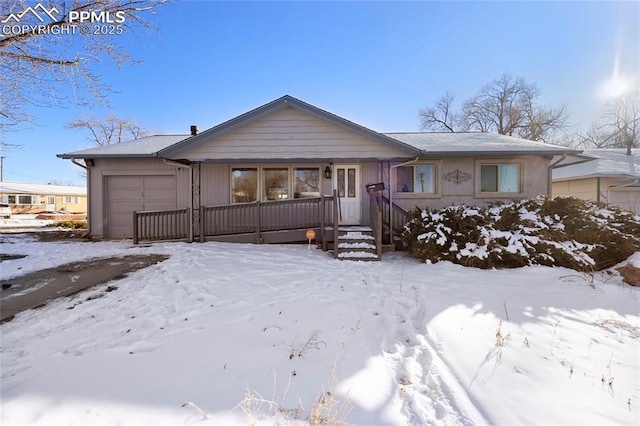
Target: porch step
{"type": "Point", "coordinates": [356, 243]}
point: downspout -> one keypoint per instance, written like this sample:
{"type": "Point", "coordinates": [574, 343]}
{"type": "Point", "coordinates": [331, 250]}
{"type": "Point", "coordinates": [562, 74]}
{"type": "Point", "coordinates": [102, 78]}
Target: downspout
{"type": "Point", "coordinates": [391, 193]}
{"type": "Point", "coordinates": [74, 161]}
{"type": "Point", "coordinates": [190, 167]}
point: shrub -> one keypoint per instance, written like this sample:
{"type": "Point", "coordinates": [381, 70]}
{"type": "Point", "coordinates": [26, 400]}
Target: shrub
{"type": "Point", "coordinates": [69, 224]}
{"type": "Point", "coordinates": [561, 231]}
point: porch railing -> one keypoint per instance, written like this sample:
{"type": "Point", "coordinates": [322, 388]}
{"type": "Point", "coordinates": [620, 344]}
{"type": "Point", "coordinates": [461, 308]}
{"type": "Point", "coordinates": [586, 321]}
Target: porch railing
{"type": "Point", "coordinates": [375, 216]}
{"type": "Point", "coordinates": [394, 221]}
{"type": "Point", "coordinates": [162, 225]}
{"type": "Point", "coordinates": [265, 216]}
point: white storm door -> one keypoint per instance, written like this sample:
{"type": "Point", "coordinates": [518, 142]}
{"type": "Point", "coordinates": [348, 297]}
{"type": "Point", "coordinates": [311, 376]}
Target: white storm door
{"type": "Point", "coordinates": [51, 203]}
{"type": "Point", "coordinates": [347, 181]}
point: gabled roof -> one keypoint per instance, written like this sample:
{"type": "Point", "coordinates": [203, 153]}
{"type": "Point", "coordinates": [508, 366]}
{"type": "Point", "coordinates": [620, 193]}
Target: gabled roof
{"type": "Point", "coordinates": [143, 147]}
{"type": "Point", "coordinates": [414, 144]}
{"type": "Point", "coordinates": [40, 189]}
{"type": "Point", "coordinates": [283, 102]}
{"type": "Point", "coordinates": [475, 143]}
{"type": "Point", "coordinates": [603, 163]}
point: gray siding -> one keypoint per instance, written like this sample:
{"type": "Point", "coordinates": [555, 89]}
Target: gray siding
{"type": "Point", "coordinates": [290, 134]}
{"type": "Point", "coordinates": [535, 181]}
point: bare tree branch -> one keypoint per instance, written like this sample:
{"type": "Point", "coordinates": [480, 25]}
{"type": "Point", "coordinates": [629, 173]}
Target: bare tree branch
{"type": "Point", "coordinates": [441, 117]}
{"type": "Point", "coordinates": [506, 105]}
{"type": "Point", "coordinates": [618, 125]}
{"type": "Point", "coordinates": [43, 64]}
{"type": "Point", "coordinates": [110, 129]}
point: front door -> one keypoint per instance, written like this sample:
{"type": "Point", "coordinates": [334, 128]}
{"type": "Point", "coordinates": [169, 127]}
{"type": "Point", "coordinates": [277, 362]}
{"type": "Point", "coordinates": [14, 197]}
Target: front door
{"type": "Point", "coordinates": [347, 181]}
{"type": "Point", "coordinates": [51, 203]}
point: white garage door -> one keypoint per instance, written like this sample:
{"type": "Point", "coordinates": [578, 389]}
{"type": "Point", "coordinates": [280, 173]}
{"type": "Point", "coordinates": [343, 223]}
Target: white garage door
{"type": "Point", "coordinates": [126, 194]}
{"type": "Point", "coordinates": [627, 198]}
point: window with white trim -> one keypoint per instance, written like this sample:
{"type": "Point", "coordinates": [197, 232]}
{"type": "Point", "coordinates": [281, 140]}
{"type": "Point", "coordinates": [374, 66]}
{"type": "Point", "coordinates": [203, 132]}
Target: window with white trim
{"type": "Point", "coordinates": [419, 178]}
{"type": "Point", "coordinates": [504, 178]}
{"type": "Point", "coordinates": [67, 200]}
{"type": "Point", "coordinates": [21, 199]}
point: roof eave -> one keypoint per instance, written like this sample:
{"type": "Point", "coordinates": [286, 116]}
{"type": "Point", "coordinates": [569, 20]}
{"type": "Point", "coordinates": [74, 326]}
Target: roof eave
{"type": "Point", "coordinates": [71, 156]}
{"type": "Point", "coordinates": [458, 153]}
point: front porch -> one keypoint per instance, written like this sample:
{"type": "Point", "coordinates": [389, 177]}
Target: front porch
{"type": "Point", "coordinates": [282, 221]}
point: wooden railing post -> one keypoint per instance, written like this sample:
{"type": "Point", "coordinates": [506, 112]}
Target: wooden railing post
{"type": "Point", "coordinates": [259, 221]}
{"type": "Point", "coordinates": [189, 224]}
{"type": "Point", "coordinates": [203, 224]}
{"type": "Point", "coordinates": [322, 230]}
{"type": "Point", "coordinates": [135, 228]}
{"type": "Point", "coordinates": [336, 222]}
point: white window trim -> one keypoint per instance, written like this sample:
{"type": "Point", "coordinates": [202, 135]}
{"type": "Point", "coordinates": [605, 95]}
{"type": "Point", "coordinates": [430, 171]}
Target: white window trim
{"type": "Point", "coordinates": [290, 186]}
{"type": "Point", "coordinates": [35, 198]}
{"type": "Point", "coordinates": [409, 195]}
{"type": "Point", "coordinates": [497, 162]}
{"type": "Point", "coordinates": [70, 199]}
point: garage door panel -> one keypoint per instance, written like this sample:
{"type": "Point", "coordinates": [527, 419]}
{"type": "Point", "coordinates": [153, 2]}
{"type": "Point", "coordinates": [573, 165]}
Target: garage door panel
{"type": "Point", "coordinates": [126, 194]}
{"type": "Point", "coordinates": [626, 198]}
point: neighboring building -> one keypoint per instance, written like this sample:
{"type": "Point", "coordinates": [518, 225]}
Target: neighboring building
{"type": "Point", "coordinates": [609, 175]}
{"type": "Point", "coordinates": [37, 198]}
{"type": "Point", "coordinates": [288, 151]}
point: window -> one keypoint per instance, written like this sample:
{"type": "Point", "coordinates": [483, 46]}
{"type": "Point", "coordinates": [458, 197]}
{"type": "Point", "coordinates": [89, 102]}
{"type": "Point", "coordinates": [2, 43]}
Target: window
{"type": "Point", "coordinates": [274, 183]}
{"type": "Point", "coordinates": [500, 178]}
{"type": "Point", "coordinates": [21, 199]}
{"type": "Point", "coordinates": [416, 179]}
{"type": "Point", "coordinates": [244, 185]}
{"type": "Point", "coordinates": [306, 182]}
{"type": "Point", "coordinates": [65, 200]}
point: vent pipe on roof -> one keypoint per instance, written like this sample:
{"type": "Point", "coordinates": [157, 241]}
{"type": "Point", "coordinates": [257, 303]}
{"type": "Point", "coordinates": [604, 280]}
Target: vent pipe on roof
{"type": "Point", "coordinates": [194, 130]}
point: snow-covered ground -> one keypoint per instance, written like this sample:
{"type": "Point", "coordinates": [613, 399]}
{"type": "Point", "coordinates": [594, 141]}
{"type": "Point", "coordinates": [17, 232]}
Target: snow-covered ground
{"type": "Point", "coordinates": [218, 324]}
{"type": "Point", "coordinates": [24, 221]}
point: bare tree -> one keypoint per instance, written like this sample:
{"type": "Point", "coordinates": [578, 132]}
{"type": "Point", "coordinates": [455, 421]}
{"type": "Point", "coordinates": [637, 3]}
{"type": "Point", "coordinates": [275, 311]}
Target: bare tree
{"type": "Point", "coordinates": [618, 125]}
{"type": "Point", "coordinates": [47, 50]}
{"type": "Point", "coordinates": [441, 117]}
{"type": "Point", "coordinates": [506, 105]}
{"type": "Point", "coordinates": [110, 130]}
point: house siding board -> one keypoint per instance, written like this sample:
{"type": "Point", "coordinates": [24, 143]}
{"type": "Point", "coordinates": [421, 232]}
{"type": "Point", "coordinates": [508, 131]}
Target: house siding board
{"type": "Point", "coordinates": [214, 184]}
{"type": "Point", "coordinates": [585, 189]}
{"type": "Point", "coordinates": [289, 133]}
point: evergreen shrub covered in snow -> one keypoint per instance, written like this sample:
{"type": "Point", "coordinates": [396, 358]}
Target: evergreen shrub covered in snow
{"type": "Point", "coordinates": [561, 231]}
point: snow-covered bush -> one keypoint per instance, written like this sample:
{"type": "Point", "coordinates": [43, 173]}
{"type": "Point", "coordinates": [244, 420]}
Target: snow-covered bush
{"type": "Point", "coordinates": [562, 231]}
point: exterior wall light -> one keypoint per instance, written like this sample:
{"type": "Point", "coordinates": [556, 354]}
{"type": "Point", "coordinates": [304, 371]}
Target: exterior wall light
{"type": "Point", "coordinates": [327, 172]}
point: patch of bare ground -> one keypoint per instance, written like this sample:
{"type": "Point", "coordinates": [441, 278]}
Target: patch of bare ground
{"type": "Point", "coordinates": [630, 274]}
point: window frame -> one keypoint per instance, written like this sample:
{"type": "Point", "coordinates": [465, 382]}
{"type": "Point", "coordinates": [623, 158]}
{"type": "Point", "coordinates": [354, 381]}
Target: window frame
{"type": "Point", "coordinates": [437, 184]}
{"type": "Point", "coordinates": [479, 193]}
{"type": "Point", "coordinates": [261, 194]}
{"type": "Point", "coordinates": [16, 199]}
{"type": "Point", "coordinates": [68, 199]}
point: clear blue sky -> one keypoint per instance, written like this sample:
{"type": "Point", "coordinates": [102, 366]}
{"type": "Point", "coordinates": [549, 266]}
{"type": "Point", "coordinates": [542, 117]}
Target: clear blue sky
{"type": "Point", "coordinates": [375, 63]}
